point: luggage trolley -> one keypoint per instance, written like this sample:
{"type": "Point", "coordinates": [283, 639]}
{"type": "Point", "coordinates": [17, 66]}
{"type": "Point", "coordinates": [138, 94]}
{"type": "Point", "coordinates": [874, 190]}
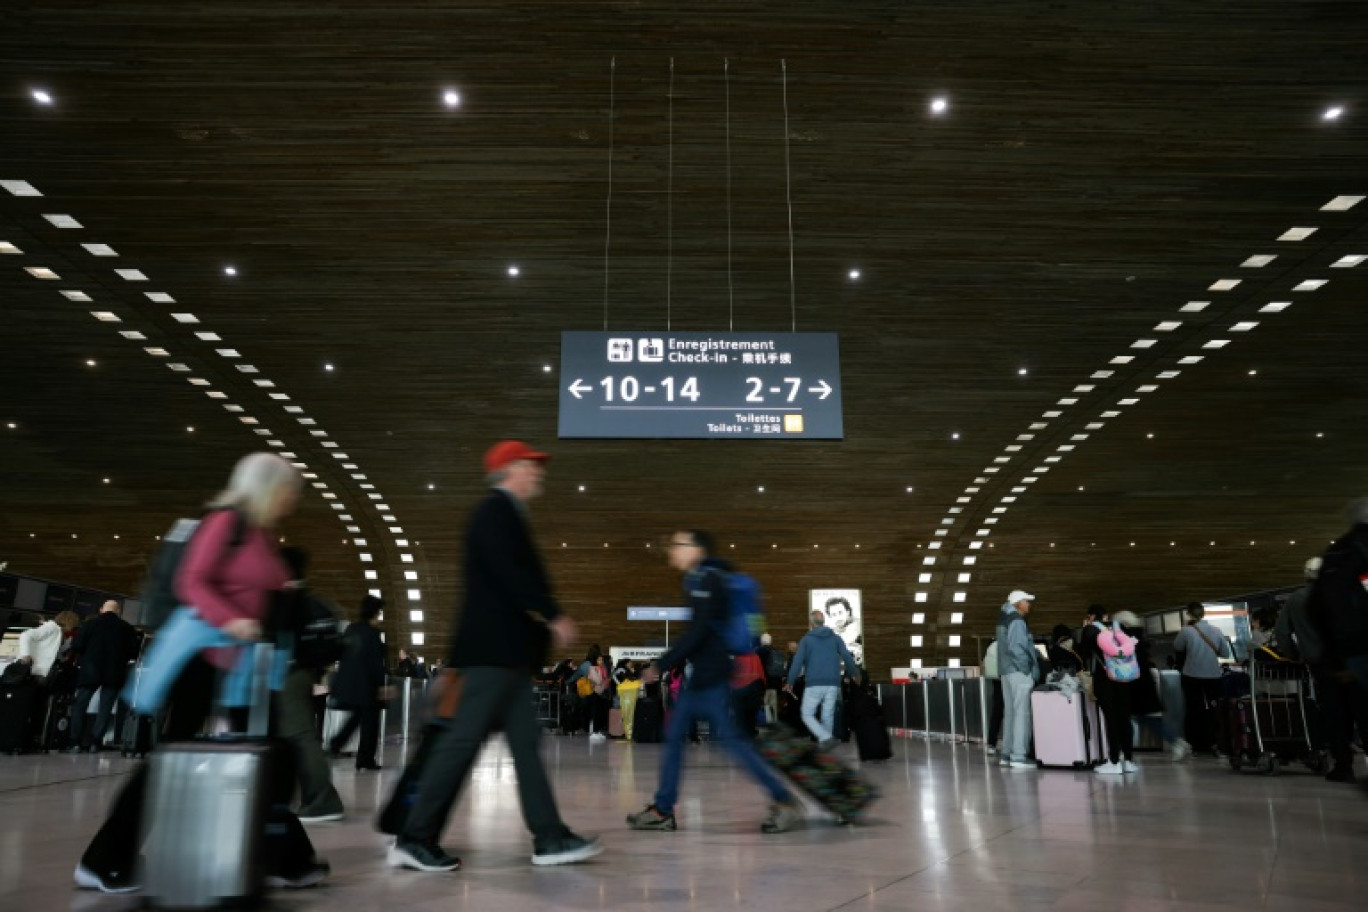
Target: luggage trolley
{"type": "Point", "coordinates": [1270, 727]}
{"type": "Point", "coordinates": [546, 702]}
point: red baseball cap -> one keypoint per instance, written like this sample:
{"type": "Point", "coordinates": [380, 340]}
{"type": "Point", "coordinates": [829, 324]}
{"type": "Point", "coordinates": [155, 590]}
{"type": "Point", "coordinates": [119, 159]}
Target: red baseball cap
{"type": "Point", "coordinates": [508, 451]}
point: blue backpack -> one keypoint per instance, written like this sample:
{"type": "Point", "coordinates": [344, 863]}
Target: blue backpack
{"type": "Point", "coordinates": [745, 617]}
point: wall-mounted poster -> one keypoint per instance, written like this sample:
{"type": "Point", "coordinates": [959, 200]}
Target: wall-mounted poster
{"type": "Point", "coordinates": [843, 616]}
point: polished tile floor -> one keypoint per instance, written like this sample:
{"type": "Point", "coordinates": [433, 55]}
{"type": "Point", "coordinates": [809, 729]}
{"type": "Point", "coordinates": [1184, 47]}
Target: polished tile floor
{"type": "Point", "coordinates": [952, 831]}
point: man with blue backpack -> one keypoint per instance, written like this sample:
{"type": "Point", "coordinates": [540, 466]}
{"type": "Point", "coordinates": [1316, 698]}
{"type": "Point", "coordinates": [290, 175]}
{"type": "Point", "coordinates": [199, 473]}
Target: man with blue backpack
{"type": "Point", "coordinates": [725, 611]}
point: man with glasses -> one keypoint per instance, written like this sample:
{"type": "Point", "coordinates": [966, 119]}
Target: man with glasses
{"type": "Point", "coordinates": [706, 694]}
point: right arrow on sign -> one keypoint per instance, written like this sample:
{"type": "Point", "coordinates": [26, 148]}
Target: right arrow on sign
{"type": "Point", "coordinates": [577, 389]}
{"type": "Point", "coordinates": [821, 389]}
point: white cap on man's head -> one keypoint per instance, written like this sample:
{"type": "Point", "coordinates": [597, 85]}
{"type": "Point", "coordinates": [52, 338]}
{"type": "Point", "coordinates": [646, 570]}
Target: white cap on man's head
{"type": "Point", "coordinates": [1018, 595]}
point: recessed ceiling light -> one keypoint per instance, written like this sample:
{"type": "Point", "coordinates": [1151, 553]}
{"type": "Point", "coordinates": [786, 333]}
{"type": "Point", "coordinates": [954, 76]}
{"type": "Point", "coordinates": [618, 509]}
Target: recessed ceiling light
{"type": "Point", "coordinates": [1254, 372]}
{"type": "Point", "coordinates": [1111, 414]}
{"type": "Point", "coordinates": [7, 247]}
{"type": "Point", "coordinates": [853, 274]}
{"type": "Point", "coordinates": [939, 105]}
{"type": "Point", "coordinates": [1333, 113]}
{"type": "Point", "coordinates": [1259, 261]}
{"type": "Point", "coordinates": [190, 429]}
{"type": "Point", "coordinates": [1022, 372]}
{"type": "Point", "coordinates": [41, 97]}
{"type": "Point", "coordinates": [1319, 435]}
{"type": "Point", "coordinates": [62, 221]}
{"type": "Point", "coordinates": [1167, 375]}
{"type": "Point", "coordinates": [1191, 359]}
{"type": "Point", "coordinates": [100, 250]}
{"type": "Point", "coordinates": [514, 271]}
{"type": "Point", "coordinates": [1244, 326]}
{"type": "Point", "coordinates": [1122, 359]}
{"type": "Point", "coordinates": [581, 487]}
{"type": "Point", "coordinates": [1223, 284]}
{"type": "Point", "coordinates": [185, 318]}
{"type": "Point", "coordinates": [230, 270]}
{"type": "Point", "coordinates": [760, 489]}
{"type": "Point", "coordinates": [1216, 343]}
{"type": "Point", "coordinates": [1310, 285]}
{"type": "Point", "coordinates": [11, 425]}
{"type": "Point", "coordinates": [20, 188]}
{"type": "Point", "coordinates": [451, 98]}
{"type": "Point", "coordinates": [1167, 326]}
{"type": "Point", "coordinates": [1101, 375]}
{"type": "Point", "coordinates": [1146, 388]}
{"type": "Point", "coordinates": [228, 352]}
{"type": "Point", "coordinates": [955, 436]}
{"type": "Point", "coordinates": [131, 275]}
{"type": "Point", "coordinates": [90, 362]}
{"type": "Point", "coordinates": [546, 368]}
{"type": "Point", "coordinates": [327, 366]}
{"type": "Point", "coordinates": [1275, 307]}
{"type": "Point", "coordinates": [1342, 203]}
{"type": "Point", "coordinates": [1195, 306]}
{"type": "Point", "coordinates": [106, 481]}
{"type": "Point", "coordinates": [41, 272]}
{"type": "Point", "coordinates": [1144, 343]}
{"type": "Point", "coordinates": [1297, 233]}
{"type": "Point", "coordinates": [105, 316]}
{"type": "Point", "coordinates": [1149, 436]}
{"type": "Point", "coordinates": [132, 335]}
{"type": "Point", "coordinates": [432, 487]}
{"type": "Point", "coordinates": [1348, 262]}
{"type": "Point", "coordinates": [176, 365]}
{"type": "Point", "coordinates": [159, 297]}
{"type": "Point", "coordinates": [910, 489]}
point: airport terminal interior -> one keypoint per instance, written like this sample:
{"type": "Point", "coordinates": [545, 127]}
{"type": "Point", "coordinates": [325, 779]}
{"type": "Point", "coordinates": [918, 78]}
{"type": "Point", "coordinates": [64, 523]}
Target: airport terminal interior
{"type": "Point", "coordinates": [911, 304]}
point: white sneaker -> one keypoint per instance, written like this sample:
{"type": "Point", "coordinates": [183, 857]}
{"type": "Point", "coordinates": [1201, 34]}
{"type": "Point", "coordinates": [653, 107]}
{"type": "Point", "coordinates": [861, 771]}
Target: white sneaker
{"type": "Point", "coordinates": [598, 736]}
{"type": "Point", "coordinates": [1129, 766]}
{"type": "Point", "coordinates": [991, 750]}
{"type": "Point", "coordinates": [1180, 751]}
{"type": "Point", "coordinates": [1005, 761]}
{"type": "Point", "coordinates": [1024, 764]}
{"type": "Point", "coordinates": [1108, 769]}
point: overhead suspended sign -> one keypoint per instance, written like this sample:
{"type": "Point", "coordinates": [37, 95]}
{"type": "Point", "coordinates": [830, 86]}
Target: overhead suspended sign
{"type": "Point", "coordinates": [694, 385]}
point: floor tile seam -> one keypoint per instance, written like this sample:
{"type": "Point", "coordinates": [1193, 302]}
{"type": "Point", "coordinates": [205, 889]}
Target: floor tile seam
{"type": "Point", "coordinates": [43, 785]}
{"type": "Point", "coordinates": [878, 890]}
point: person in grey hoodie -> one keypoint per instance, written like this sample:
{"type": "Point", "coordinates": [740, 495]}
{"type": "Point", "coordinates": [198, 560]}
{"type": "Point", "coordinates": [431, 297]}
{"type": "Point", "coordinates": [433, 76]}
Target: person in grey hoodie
{"type": "Point", "coordinates": [1020, 671]}
{"type": "Point", "coordinates": [820, 655]}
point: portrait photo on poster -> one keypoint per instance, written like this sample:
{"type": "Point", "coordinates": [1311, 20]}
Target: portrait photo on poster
{"type": "Point", "coordinates": [843, 615]}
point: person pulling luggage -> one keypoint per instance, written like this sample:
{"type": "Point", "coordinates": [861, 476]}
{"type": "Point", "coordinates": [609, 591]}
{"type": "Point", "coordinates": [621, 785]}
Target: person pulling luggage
{"type": "Point", "coordinates": [821, 653]}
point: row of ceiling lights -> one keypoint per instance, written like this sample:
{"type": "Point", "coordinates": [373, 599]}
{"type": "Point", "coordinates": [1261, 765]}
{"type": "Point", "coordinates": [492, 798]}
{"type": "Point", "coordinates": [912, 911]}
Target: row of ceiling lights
{"type": "Point", "coordinates": [24, 189]}
{"type": "Point", "coordinates": [1294, 234]}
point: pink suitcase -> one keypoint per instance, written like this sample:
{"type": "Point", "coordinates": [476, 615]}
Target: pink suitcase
{"type": "Point", "coordinates": [615, 723]}
{"type": "Point", "coordinates": [1068, 730]}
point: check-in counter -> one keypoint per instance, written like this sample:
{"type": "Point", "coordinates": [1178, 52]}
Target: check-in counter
{"type": "Point", "coordinates": [948, 708]}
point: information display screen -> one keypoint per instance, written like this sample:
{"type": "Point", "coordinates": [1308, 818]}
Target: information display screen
{"type": "Point", "coordinates": [693, 385]}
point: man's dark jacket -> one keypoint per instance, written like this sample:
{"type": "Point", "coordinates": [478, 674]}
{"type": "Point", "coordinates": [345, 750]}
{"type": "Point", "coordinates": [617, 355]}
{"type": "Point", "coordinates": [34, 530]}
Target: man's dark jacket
{"type": "Point", "coordinates": [702, 644]}
{"type": "Point", "coordinates": [507, 592]}
{"type": "Point", "coordinates": [1339, 601]}
{"type": "Point", "coordinates": [106, 644]}
{"type": "Point", "coordinates": [361, 673]}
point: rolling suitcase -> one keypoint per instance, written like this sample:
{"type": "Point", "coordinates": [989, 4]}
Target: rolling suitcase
{"type": "Point", "coordinates": [615, 723]}
{"type": "Point", "coordinates": [139, 733]}
{"type": "Point", "coordinates": [18, 697]}
{"type": "Point", "coordinates": [826, 779]}
{"type": "Point", "coordinates": [205, 814]}
{"type": "Point", "coordinates": [56, 733]}
{"type": "Point", "coordinates": [1067, 730]}
{"type": "Point", "coordinates": [647, 722]}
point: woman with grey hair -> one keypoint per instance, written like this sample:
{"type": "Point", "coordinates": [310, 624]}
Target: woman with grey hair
{"type": "Point", "coordinates": [229, 571]}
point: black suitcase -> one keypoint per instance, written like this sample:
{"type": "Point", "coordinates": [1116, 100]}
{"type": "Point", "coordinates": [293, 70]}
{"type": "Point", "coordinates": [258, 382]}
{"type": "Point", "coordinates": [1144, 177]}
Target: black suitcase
{"type": "Point", "coordinates": [871, 737]}
{"type": "Point", "coordinates": [18, 696]}
{"type": "Point", "coordinates": [394, 816]}
{"type": "Point", "coordinates": [830, 782]}
{"type": "Point", "coordinates": [56, 733]}
{"type": "Point", "coordinates": [648, 721]}
{"type": "Point", "coordinates": [139, 735]}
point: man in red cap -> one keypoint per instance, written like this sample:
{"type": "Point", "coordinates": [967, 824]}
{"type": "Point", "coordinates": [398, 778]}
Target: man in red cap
{"type": "Point", "coordinates": [508, 612]}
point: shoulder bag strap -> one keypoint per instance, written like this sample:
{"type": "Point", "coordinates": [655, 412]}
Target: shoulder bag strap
{"type": "Point", "coordinates": [1207, 641]}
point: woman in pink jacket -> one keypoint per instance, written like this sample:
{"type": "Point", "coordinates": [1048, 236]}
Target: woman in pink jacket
{"type": "Point", "coordinates": [228, 573]}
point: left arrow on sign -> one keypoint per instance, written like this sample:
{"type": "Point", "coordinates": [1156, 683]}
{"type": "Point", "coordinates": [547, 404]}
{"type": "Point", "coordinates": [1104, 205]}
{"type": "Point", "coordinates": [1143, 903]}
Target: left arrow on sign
{"type": "Point", "coordinates": [577, 389]}
{"type": "Point", "coordinates": [822, 389]}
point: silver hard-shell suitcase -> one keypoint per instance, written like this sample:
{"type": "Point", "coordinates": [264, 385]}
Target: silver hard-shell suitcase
{"type": "Point", "coordinates": [205, 814]}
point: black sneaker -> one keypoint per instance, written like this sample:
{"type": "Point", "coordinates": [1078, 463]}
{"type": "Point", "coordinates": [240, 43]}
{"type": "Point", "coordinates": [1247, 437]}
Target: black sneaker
{"type": "Point", "coordinates": [311, 876]}
{"type": "Point", "coordinates": [421, 856]}
{"type": "Point", "coordinates": [87, 879]}
{"type": "Point", "coordinates": [652, 818]}
{"type": "Point", "coordinates": [567, 848]}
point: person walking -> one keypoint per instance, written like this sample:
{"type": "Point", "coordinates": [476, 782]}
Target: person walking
{"type": "Point", "coordinates": [821, 653]}
{"type": "Point", "coordinates": [106, 644]}
{"type": "Point", "coordinates": [1020, 670]}
{"type": "Point", "coordinates": [707, 693]}
{"type": "Point", "coordinates": [508, 611]}
{"type": "Point", "coordinates": [1199, 648]}
{"type": "Point", "coordinates": [359, 685]}
{"type": "Point", "coordinates": [1146, 708]}
{"type": "Point", "coordinates": [1338, 611]}
{"type": "Point", "coordinates": [229, 587]}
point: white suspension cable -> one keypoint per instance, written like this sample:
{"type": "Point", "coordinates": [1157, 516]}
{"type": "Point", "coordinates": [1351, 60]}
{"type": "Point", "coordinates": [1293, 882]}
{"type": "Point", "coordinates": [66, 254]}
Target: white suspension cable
{"type": "Point", "coordinates": [608, 221]}
{"type": "Point", "coordinates": [788, 195]}
{"type": "Point", "coordinates": [669, 212]}
{"type": "Point", "coordinates": [731, 303]}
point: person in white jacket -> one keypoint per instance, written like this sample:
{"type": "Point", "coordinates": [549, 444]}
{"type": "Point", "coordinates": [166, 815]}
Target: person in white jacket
{"type": "Point", "coordinates": [38, 646]}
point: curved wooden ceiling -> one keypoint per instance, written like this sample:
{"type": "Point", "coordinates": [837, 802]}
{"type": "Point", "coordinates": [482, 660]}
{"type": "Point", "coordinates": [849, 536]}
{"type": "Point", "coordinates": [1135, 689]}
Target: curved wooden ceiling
{"type": "Point", "coordinates": [1096, 169]}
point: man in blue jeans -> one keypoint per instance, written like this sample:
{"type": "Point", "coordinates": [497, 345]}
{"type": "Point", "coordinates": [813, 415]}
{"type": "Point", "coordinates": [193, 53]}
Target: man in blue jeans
{"type": "Point", "coordinates": [707, 692]}
{"type": "Point", "coordinates": [821, 653]}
